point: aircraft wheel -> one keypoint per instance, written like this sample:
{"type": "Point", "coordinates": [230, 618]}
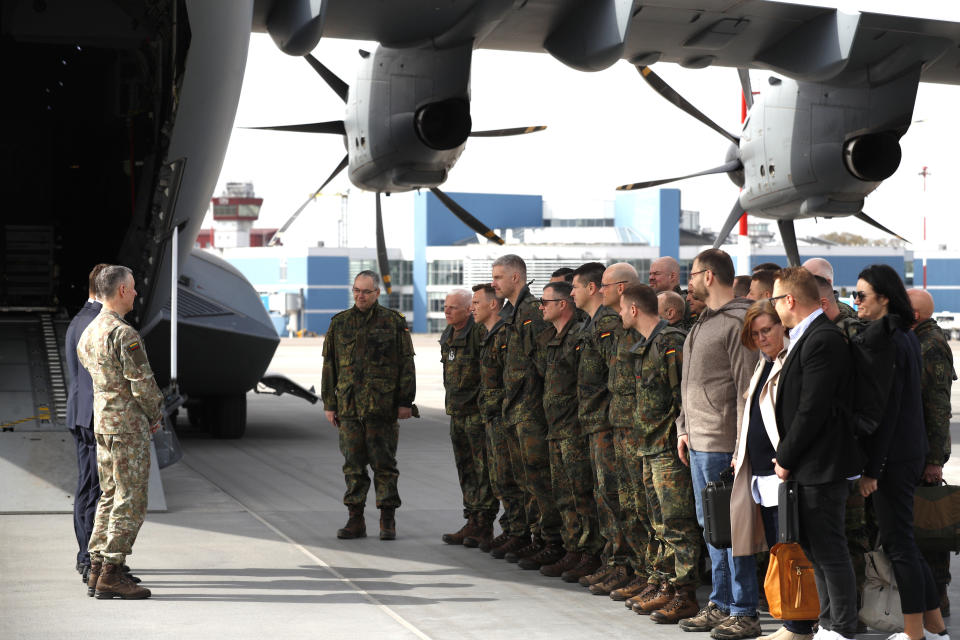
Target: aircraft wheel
{"type": "Point", "coordinates": [225, 416]}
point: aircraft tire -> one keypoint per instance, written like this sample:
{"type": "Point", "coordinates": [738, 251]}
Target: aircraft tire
{"type": "Point", "coordinates": [225, 416]}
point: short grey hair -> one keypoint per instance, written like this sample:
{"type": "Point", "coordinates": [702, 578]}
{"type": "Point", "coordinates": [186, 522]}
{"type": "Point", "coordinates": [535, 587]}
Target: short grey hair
{"type": "Point", "coordinates": [110, 280]}
{"type": "Point", "coordinates": [370, 274]}
{"type": "Point", "coordinates": [463, 296]}
{"type": "Point", "coordinates": [512, 261]}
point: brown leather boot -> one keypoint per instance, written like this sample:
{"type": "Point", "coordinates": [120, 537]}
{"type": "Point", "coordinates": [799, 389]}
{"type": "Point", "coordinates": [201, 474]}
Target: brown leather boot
{"type": "Point", "coordinates": [488, 547]}
{"type": "Point", "coordinates": [660, 599]}
{"type": "Point", "coordinates": [356, 526]}
{"type": "Point", "coordinates": [567, 562]}
{"type": "Point", "coordinates": [549, 554]}
{"type": "Point", "coordinates": [617, 578]}
{"type": "Point", "coordinates": [630, 589]}
{"type": "Point", "coordinates": [587, 565]}
{"type": "Point", "coordinates": [113, 583]}
{"type": "Point", "coordinates": [465, 530]}
{"type": "Point", "coordinates": [532, 549]}
{"type": "Point", "coordinates": [647, 592]}
{"type": "Point", "coordinates": [388, 524]}
{"type": "Point", "coordinates": [96, 566]}
{"type": "Point", "coordinates": [597, 576]}
{"type": "Point", "coordinates": [482, 534]}
{"type": "Point", "coordinates": [513, 543]}
{"type": "Point", "coordinates": [683, 605]}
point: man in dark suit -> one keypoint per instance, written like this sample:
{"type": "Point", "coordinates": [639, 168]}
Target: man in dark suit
{"type": "Point", "coordinates": [80, 423]}
{"type": "Point", "coordinates": [817, 448]}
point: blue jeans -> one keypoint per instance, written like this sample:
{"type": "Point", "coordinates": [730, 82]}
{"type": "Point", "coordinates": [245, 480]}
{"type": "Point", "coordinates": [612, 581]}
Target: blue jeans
{"type": "Point", "coordinates": [736, 593]}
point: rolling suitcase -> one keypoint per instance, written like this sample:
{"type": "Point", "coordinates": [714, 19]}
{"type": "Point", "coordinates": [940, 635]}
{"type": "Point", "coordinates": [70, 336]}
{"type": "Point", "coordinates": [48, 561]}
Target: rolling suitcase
{"type": "Point", "coordinates": [716, 512]}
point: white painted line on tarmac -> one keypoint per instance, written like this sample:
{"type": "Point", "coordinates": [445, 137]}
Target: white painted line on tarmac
{"type": "Point", "coordinates": [403, 622]}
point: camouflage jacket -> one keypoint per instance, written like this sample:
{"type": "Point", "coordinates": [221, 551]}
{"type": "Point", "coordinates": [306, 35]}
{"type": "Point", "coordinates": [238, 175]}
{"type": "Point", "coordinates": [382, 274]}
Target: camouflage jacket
{"type": "Point", "coordinates": [460, 354]}
{"type": "Point", "coordinates": [621, 381]}
{"type": "Point", "coordinates": [126, 398]}
{"type": "Point", "coordinates": [522, 381]}
{"type": "Point", "coordinates": [368, 366]}
{"type": "Point", "coordinates": [846, 311]}
{"type": "Point", "coordinates": [596, 348]}
{"type": "Point", "coordinates": [936, 378]}
{"type": "Point", "coordinates": [492, 349]}
{"type": "Point", "coordinates": [657, 367]}
{"type": "Point", "coordinates": [560, 355]}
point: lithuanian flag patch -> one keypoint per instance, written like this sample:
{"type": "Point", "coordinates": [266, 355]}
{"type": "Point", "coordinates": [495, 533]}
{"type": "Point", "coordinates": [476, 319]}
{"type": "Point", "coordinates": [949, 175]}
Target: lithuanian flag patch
{"type": "Point", "coordinates": [133, 346]}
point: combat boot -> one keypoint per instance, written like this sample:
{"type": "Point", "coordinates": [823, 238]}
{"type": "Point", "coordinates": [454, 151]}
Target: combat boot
{"type": "Point", "coordinates": [356, 526]}
{"type": "Point", "coordinates": [493, 543]}
{"type": "Point", "coordinates": [531, 549]}
{"type": "Point", "coordinates": [597, 576]}
{"type": "Point", "coordinates": [567, 562]}
{"type": "Point", "coordinates": [513, 543]}
{"type": "Point", "coordinates": [465, 530]}
{"type": "Point", "coordinates": [683, 605]}
{"type": "Point", "coordinates": [482, 534]}
{"type": "Point", "coordinates": [630, 589]}
{"type": "Point", "coordinates": [660, 599]}
{"type": "Point", "coordinates": [114, 583]}
{"type": "Point", "coordinates": [648, 591]}
{"type": "Point", "coordinates": [617, 578]}
{"type": "Point", "coordinates": [388, 524]}
{"type": "Point", "coordinates": [549, 554]}
{"type": "Point", "coordinates": [96, 566]}
{"type": "Point", "coordinates": [587, 565]}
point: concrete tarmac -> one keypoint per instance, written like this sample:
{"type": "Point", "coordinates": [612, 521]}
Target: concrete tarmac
{"type": "Point", "coordinates": [248, 547]}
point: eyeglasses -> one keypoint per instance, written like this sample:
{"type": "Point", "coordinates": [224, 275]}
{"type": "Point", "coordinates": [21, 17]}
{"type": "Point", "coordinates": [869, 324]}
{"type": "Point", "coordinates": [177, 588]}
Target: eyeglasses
{"type": "Point", "coordinates": [366, 292]}
{"type": "Point", "coordinates": [774, 299]}
{"type": "Point", "coordinates": [544, 301]}
{"type": "Point", "coordinates": [860, 295]}
{"type": "Point", "coordinates": [613, 284]}
{"type": "Point", "coordinates": [696, 272]}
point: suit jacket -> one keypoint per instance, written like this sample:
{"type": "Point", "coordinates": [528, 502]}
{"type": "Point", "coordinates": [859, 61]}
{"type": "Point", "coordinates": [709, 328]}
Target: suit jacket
{"type": "Point", "coordinates": [901, 435]}
{"type": "Point", "coordinates": [80, 393]}
{"type": "Point", "coordinates": [816, 442]}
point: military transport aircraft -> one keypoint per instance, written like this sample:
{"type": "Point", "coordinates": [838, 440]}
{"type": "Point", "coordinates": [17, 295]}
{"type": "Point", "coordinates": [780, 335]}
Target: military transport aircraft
{"type": "Point", "coordinates": [119, 113]}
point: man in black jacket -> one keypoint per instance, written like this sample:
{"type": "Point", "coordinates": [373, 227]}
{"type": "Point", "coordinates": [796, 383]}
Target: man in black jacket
{"type": "Point", "coordinates": [817, 448]}
{"type": "Point", "coordinates": [80, 423]}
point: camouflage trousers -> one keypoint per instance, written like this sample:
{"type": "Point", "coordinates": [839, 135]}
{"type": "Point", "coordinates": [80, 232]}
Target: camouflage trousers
{"type": "Point", "coordinates": [572, 480]}
{"type": "Point", "coordinates": [634, 521]}
{"type": "Point", "coordinates": [469, 439]}
{"type": "Point", "coordinates": [857, 530]}
{"type": "Point", "coordinates": [939, 561]}
{"type": "Point", "coordinates": [542, 511]}
{"type": "Point", "coordinates": [123, 464]}
{"type": "Point", "coordinates": [503, 456]}
{"type": "Point", "coordinates": [603, 459]}
{"type": "Point", "coordinates": [673, 516]}
{"type": "Point", "coordinates": [370, 442]}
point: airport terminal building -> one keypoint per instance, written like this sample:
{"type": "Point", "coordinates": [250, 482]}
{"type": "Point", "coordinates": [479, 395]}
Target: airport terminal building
{"type": "Point", "coordinates": [304, 286]}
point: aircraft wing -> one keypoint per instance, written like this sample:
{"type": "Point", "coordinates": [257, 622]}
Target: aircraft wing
{"type": "Point", "coordinates": [806, 42]}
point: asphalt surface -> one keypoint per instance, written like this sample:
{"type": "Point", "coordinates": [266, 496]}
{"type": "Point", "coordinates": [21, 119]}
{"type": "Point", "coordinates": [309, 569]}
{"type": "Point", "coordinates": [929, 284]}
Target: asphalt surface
{"type": "Point", "coordinates": [248, 547]}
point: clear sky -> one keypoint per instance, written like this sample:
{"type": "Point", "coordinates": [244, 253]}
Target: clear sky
{"type": "Point", "coordinates": [605, 129]}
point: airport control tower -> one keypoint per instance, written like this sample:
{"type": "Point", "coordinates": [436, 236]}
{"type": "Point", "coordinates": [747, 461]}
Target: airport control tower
{"type": "Point", "coordinates": [234, 212]}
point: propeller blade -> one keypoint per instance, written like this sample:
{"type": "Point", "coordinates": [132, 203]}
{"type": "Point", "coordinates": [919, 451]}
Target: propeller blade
{"type": "Point", "coordinates": [671, 95]}
{"type": "Point", "coordinates": [339, 86]}
{"type": "Point", "coordinates": [465, 216]}
{"type": "Point", "coordinates": [286, 225]}
{"type": "Point", "coordinates": [732, 218]}
{"type": "Point", "coordinates": [789, 236]}
{"type": "Point", "coordinates": [382, 250]}
{"type": "Point", "coordinates": [874, 223]}
{"type": "Point", "coordinates": [733, 165]}
{"type": "Point", "coordinates": [496, 133]}
{"type": "Point", "coordinates": [746, 87]}
{"type": "Point", "coordinates": [334, 126]}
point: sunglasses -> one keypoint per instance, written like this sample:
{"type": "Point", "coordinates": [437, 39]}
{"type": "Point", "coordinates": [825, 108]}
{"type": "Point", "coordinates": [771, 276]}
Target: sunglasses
{"type": "Point", "coordinates": [859, 296]}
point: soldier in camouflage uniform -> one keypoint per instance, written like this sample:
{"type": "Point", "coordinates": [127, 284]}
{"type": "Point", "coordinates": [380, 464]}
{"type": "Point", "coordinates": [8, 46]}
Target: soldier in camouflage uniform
{"type": "Point", "coordinates": [369, 382]}
{"type": "Point", "coordinates": [460, 354]}
{"type": "Point", "coordinates": [695, 307]}
{"type": "Point", "coordinates": [523, 403]}
{"type": "Point", "coordinates": [596, 339]}
{"type": "Point", "coordinates": [570, 466]}
{"type": "Point", "coordinates": [936, 380]}
{"type": "Point", "coordinates": [658, 362]}
{"type": "Point", "coordinates": [665, 276]}
{"type": "Point", "coordinates": [127, 408]}
{"type": "Point", "coordinates": [503, 447]}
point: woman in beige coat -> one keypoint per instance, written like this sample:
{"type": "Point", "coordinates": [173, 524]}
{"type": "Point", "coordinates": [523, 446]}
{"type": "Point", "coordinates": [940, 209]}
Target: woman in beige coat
{"type": "Point", "coordinates": [753, 501]}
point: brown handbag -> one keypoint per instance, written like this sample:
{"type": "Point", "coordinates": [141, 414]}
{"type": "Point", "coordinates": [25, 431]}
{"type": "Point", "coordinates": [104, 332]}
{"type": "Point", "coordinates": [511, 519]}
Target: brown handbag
{"type": "Point", "coordinates": [790, 587]}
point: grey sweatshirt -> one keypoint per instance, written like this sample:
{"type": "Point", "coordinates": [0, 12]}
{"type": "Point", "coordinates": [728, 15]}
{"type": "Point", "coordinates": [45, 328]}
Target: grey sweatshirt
{"type": "Point", "coordinates": [717, 370]}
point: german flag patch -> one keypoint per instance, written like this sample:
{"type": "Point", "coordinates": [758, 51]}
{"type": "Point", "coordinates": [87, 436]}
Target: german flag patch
{"type": "Point", "coordinates": [605, 334]}
{"type": "Point", "coordinates": [670, 352]}
{"type": "Point", "coordinates": [526, 322]}
{"type": "Point", "coordinates": [133, 346]}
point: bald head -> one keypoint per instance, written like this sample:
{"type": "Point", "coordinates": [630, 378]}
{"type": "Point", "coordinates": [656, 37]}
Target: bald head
{"type": "Point", "coordinates": [922, 303]}
{"type": "Point", "coordinates": [664, 274]}
{"type": "Point", "coordinates": [621, 271]}
{"type": "Point", "coordinates": [820, 267]}
{"type": "Point", "coordinates": [616, 278]}
{"type": "Point", "coordinates": [670, 306]}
